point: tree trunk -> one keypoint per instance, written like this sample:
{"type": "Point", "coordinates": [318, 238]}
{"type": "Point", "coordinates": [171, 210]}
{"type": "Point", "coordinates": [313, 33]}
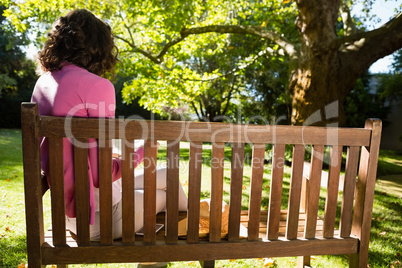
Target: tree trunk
{"type": "Point", "coordinates": [319, 90]}
{"type": "Point", "coordinates": [317, 83]}
{"type": "Point", "coordinates": [328, 65]}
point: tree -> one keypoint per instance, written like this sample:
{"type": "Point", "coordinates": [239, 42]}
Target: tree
{"type": "Point", "coordinates": [324, 46]}
{"type": "Point", "coordinates": [362, 103]}
{"type": "Point", "coordinates": [391, 84]}
{"type": "Point", "coordinates": [17, 77]}
{"type": "Point", "coordinates": [9, 55]}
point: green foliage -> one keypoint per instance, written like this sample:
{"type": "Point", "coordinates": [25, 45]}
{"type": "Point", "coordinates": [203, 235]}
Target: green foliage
{"type": "Point", "coordinates": [269, 100]}
{"type": "Point", "coordinates": [17, 77]}
{"type": "Point", "coordinates": [391, 84]}
{"type": "Point", "coordinates": [181, 54]}
{"type": "Point", "coordinates": [161, 80]}
{"type": "Point", "coordinates": [397, 62]}
{"type": "Point", "coordinates": [361, 104]}
{"type": "Point", "coordinates": [128, 111]}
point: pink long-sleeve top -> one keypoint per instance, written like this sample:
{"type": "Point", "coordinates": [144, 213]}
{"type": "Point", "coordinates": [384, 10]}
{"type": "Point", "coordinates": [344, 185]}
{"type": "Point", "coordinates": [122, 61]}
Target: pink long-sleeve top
{"type": "Point", "coordinates": [74, 91]}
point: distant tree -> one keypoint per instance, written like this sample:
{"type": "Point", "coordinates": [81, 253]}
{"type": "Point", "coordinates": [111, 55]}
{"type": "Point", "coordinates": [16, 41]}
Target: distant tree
{"type": "Point", "coordinates": [362, 103]}
{"type": "Point", "coordinates": [124, 110]}
{"type": "Point", "coordinates": [397, 62]}
{"type": "Point", "coordinates": [17, 77]}
{"type": "Point", "coordinates": [391, 84]}
{"type": "Point", "coordinates": [269, 99]}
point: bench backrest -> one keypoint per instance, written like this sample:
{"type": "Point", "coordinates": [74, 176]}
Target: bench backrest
{"type": "Point", "coordinates": [361, 146]}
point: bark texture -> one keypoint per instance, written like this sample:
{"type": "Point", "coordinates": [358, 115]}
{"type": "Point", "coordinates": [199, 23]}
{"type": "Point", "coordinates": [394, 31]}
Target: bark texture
{"type": "Point", "coordinates": [328, 66]}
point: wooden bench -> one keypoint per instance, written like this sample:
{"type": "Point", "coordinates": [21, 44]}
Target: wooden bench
{"type": "Point", "coordinates": [274, 232]}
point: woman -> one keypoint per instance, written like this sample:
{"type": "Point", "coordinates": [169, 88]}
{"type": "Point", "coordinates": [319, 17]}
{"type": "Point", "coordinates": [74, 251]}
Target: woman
{"type": "Point", "coordinates": [74, 62]}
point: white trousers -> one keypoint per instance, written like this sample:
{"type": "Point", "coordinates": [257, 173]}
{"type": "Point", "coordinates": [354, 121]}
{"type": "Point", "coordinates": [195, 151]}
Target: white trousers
{"type": "Point", "coordinates": [139, 205]}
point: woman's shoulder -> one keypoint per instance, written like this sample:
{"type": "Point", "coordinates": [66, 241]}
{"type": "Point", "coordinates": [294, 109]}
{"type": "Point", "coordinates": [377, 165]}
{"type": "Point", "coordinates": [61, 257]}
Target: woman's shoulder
{"type": "Point", "coordinates": [76, 74]}
{"type": "Point", "coordinates": [77, 70]}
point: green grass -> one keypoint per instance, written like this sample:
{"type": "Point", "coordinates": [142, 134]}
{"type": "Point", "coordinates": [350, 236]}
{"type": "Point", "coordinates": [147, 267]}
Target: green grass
{"type": "Point", "coordinates": [385, 242]}
{"type": "Point", "coordinates": [12, 208]}
{"type": "Point", "coordinates": [389, 163]}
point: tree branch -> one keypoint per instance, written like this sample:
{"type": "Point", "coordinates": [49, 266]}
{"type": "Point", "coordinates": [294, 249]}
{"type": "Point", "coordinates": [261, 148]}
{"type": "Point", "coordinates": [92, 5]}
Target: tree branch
{"type": "Point", "coordinates": [364, 48]}
{"type": "Point", "coordinates": [285, 44]}
{"type": "Point", "coordinates": [244, 65]}
{"type": "Point", "coordinates": [392, 25]}
{"type": "Point", "coordinates": [201, 108]}
{"type": "Point", "coordinates": [229, 96]}
{"type": "Point", "coordinates": [138, 50]}
{"type": "Point", "coordinates": [196, 110]}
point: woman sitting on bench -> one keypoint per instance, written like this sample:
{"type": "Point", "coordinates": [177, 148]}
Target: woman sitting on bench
{"type": "Point", "coordinates": [77, 56]}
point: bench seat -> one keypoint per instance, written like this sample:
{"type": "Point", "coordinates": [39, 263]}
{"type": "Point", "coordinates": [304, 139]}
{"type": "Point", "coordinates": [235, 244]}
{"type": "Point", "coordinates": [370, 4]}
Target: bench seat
{"type": "Point", "coordinates": [160, 218]}
{"type": "Point", "coordinates": [183, 251]}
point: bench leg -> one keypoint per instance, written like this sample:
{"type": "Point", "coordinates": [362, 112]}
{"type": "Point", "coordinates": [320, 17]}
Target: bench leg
{"type": "Point", "coordinates": [303, 261]}
{"type": "Point", "coordinates": [207, 264]}
{"type": "Point", "coordinates": [354, 260]}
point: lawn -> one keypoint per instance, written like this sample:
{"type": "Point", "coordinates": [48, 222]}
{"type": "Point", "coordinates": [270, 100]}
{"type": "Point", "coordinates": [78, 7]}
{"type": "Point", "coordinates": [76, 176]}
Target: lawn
{"type": "Point", "coordinates": [385, 242]}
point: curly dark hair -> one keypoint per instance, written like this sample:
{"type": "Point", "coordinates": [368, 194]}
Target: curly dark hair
{"type": "Point", "coordinates": [82, 39]}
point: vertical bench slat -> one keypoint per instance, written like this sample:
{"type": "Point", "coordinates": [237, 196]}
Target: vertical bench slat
{"type": "Point", "coordinates": [194, 190]}
{"type": "Point", "coordinates": [332, 191]}
{"type": "Point", "coordinates": [215, 220]}
{"type": "Point", "coordinates": [313, 193]}
{"type": "Point", "coordinates": [32, 183]}
{"type": "Point", "coordinates": [275, 194]}
{"type": "Point", "coordinates": [236, 184]}
{"type": "Point", "coordinates": [81, 192]}
{"type": "Point", "coordinates": [295, 191]}
{"type": "Point", "coordinates": [256, 191]}
{"type": "Point", "coordinates": [348, 191]}
{"type": "Point", "coordinates": [56, 175]}
{"type": "Point", "coordinates": [127, 177]}
{"type": "Point", "coordinates": [150, 151]}
{"type": "Point", "coordinates": [365, 187]}
{"type": "Point", "coordinates": [360, 192]}
{"type": "Point", "coordinates": [105, 192]}
{"type": "Point", "coordinates": [172, 195]}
